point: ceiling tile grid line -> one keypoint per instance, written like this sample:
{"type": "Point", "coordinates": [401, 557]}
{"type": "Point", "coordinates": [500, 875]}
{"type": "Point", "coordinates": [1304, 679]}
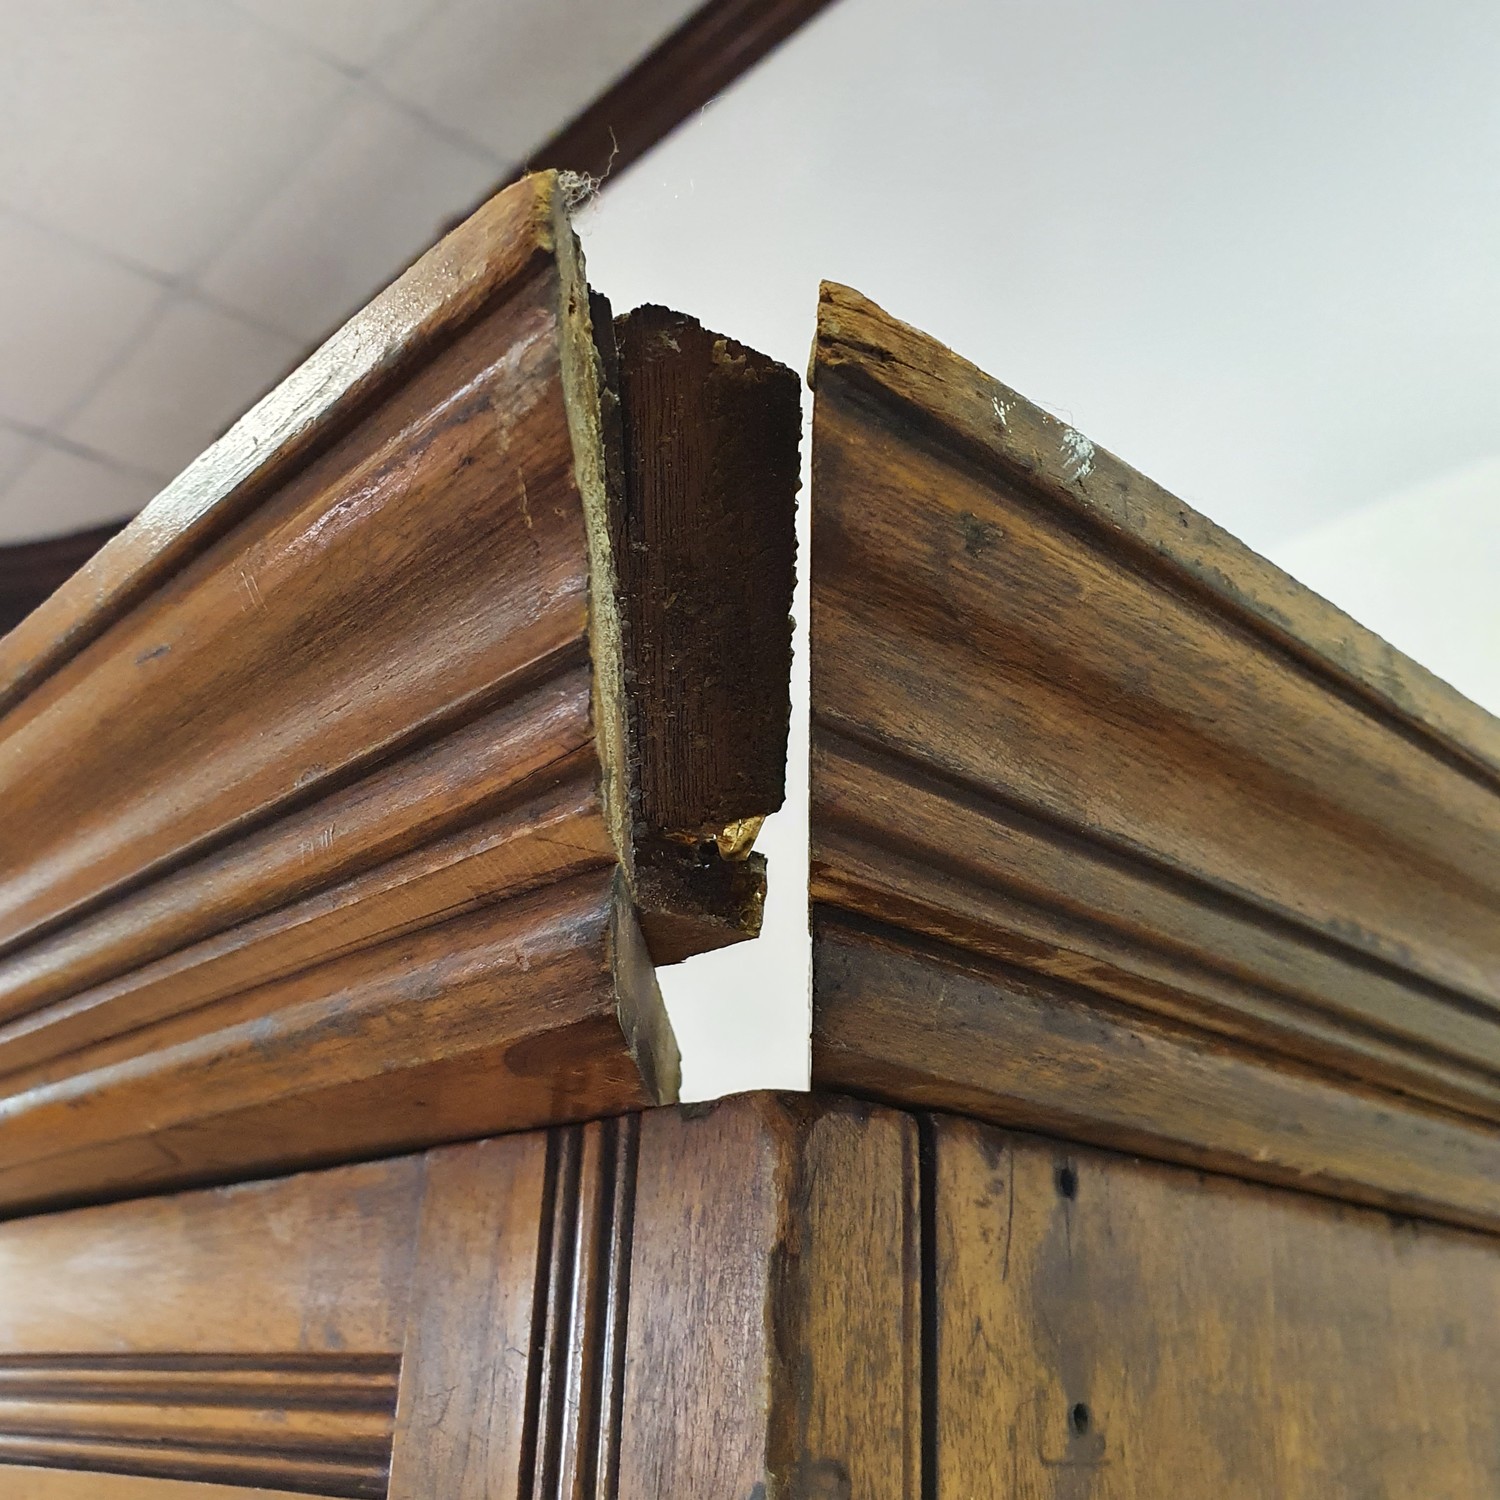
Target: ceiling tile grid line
{"type": "Point", "coordinates": [86, 445]}
{"type": "Point", "coordinates": [118, 426]}
{"type": "Point", "coordinates": [46, 437]}
{"type": "Point", "coordinates": [122, 422]}
{"type": "Point", "coordinates": [16, 450]}
{"type": "Point", "coordinates": [512, 75]}
{"type": "Point", "coordinates": [354, 33]}
{"type": "Point", "coordinates": [184, 285]}
{"type": "Point", "coordinates": [177, 115]}
{"type": "Point", "coordinates": [194, 192]}
{"type": "Point", "coordinates": [366, 76]}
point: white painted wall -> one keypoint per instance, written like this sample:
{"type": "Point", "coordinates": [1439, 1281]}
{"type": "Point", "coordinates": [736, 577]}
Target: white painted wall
{"type": "Point", "coordinates": [1250, 245]}
{"type": "Point", "coordinates": [1421, 568]}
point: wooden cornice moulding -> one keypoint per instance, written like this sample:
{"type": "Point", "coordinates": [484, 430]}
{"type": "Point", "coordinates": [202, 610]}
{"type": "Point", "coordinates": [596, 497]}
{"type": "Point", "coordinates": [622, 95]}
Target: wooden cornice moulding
{"type": "Point", "coordinates": [353, 789]}
{"type": "Point", "coordinates": [321, 1422]}
{"type": "Point", "coordinates": [1069, 735]}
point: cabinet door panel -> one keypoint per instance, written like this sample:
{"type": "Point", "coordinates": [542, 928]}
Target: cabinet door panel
{"type": "Point", "coordinates": [241, 1340]}
{"type": "Point", "coordinates": [1118, 1330]}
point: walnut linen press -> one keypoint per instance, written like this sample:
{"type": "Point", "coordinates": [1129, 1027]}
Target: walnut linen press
{"type": "Point", "coordinates": [353, 793]}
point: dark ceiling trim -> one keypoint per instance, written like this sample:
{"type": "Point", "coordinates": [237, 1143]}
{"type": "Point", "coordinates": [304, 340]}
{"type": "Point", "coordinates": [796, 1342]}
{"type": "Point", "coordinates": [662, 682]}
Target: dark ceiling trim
{"type": "Point", "coordinates": [29, 571]}
{"type": "Point", "coordinates": [709, 51]}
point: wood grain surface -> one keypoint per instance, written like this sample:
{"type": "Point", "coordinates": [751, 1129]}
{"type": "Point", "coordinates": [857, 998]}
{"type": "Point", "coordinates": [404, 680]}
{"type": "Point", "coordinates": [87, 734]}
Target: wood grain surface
{"type": "Point", "coordinates": [707, 553]}
{"type": "Point", "coordinates": [448, 1324]}
{"type": "Point", "coordinates": [318, 1421]}
{"type": "Point", "coordinates": [795, 1296]}
{"type": "Point", "coordinates": [920, 1023]}
{"type": "Point", "coordinates": [773, 1338]}
{"type": "Point", "coordinates": [320, 754]}
{"type": "Point", "coordinates": [1110, 1329]}
{"type": "Point", "coordinates": [472, 1334]}
{"type": "Point", "coordinates": [25, 1483]}
{"type": "Point", "coordinates": [248, 1336]}
{"type": "Point", "coordinates": [402, 577]}
{"type": "Point", "coordinates": [704, 542]}
{"type": "Point", "coordinates": [537, 1009]}
{"type": "Point", "coordinates": [1063, 723]}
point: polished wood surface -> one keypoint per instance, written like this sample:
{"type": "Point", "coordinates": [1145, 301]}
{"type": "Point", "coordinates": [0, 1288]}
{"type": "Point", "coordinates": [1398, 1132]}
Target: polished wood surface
{"type": "Point", "coordinates": [428, 1325]}
{"type": "Point", "coordinates": [216, 928]}
{"type": "Point", "coordinates": [772, 1295]}
{"type": "Point", "coordinates": [247, 1336]}
{"type": "Point", "coordinates": [335, 814]}
{"type": "Point", "coordinates": [1066, 727]}
{"type": "Point", "coordinates": [399, 580]}
{"type": "Point", "coordinates": [540, 1008]}
{"type": "Point", "coordinates": [60, 1484]}
{"type": "Point", "coordinates": [320, 1421]}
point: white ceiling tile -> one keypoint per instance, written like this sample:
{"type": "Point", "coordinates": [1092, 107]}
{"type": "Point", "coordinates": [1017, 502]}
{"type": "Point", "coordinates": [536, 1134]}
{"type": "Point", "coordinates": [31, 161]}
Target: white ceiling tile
{"type": "Point", "coordinates": [374, 195]}
{"type": "Point", "coordinates": [354, 31]}
{"type": "Point", "coordinates": [15, 449]}
{"type": "Point", "coordinates": [152, 127]}
{"type": "Point", "coordinates": [61, 492]}
{"type": "Point", "coordinates": [509, 75]}
{"type": "Point", "coordinates": [65, 312]}
{"type": "Point", "coordinates": [190, 377]}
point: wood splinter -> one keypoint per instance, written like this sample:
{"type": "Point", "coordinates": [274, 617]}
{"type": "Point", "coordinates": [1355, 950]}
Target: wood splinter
{"type": "Point", "coordinates": [703, 456]}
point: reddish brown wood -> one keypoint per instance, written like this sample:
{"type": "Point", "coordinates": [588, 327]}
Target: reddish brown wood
{"type": "Point", "coordinates": [61, 1484]}
{"type": "Point", "coordinates": [464, 1412]}
{"type": "Point", "coordinates": [304, 888]}
{"type": "Point", "coordinates": [773, 1341]}
{"type": "Point", "coordinates": [249, 1336]}
{"type": "Point", "coordinates": [1113, 1328]}
{"type": "Point", "coordinates": [923, 1024]}
{"type": "Point", "coordinates": [347, 759]}
{"type": "Point", "coordinates": [540, 1008]}
{"type": "Point", "coordinates": [432, 565]}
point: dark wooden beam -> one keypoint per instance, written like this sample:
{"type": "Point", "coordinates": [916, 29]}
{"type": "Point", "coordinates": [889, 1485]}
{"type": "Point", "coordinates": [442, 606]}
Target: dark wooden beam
{"type": "Point", "coordinates": [714, 47]}
{"type": "Point", "coordinates": [29, 571]}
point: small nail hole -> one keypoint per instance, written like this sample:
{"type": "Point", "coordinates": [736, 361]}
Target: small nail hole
{"type": "Point", "coordinates": [1067, 1182]}
{"type": "Point", "coordinates": [1079, 1418]}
